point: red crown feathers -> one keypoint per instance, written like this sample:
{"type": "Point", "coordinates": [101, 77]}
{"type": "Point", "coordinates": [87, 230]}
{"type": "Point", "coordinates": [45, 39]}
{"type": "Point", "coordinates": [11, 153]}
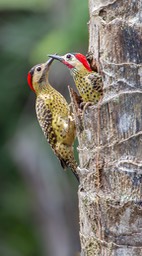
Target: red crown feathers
{"type": "Point", "coordinates": [83, 60]}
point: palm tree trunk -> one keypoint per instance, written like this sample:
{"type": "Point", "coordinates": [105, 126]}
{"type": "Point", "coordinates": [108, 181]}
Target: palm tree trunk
{"type": "Point", "coordinates": [110, 141]}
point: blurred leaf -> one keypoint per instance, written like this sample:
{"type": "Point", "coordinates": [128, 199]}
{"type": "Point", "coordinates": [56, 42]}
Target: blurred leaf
{"type": "Point", "coordinates": [55, 41]}
{"type": "Point", "coordinates": [30, 30]}
{"type": "Point", "coordinates": [26, 4]}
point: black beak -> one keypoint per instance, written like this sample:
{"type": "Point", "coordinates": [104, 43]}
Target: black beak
{"type": "Point", "coordinates": [56, 57]}
{"type": "Point", "coordinates": [49, 62]}
{"type": "Point", "coordinates": [45, 71]}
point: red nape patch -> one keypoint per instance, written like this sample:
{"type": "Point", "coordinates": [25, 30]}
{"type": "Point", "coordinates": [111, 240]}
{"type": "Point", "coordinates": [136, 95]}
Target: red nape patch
{"type": "Point", "coordinates": [29, 80]}
{"type": "Point", "coordinates": [83, 60]}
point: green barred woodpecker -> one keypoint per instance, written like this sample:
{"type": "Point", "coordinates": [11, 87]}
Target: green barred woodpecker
{"type": "Point", "coordinates": [88, 82]}
{"type": "Point", "coordinates": [54, 115]}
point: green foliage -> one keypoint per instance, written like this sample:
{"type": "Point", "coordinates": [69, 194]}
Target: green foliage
{"type": "Point", "coordinates": [54, 40]}
{"type": "Point", "coordinates": [29, 30]}
{"type": "Point", "coordinates": [33, 5]}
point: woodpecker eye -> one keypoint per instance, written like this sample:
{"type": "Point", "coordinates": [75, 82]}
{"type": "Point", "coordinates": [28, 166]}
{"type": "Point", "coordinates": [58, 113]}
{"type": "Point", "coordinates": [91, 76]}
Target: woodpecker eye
{"type": "Point", "coordinates": [69, 56]}
{"type": "Point", "coordinates": [38, 69]}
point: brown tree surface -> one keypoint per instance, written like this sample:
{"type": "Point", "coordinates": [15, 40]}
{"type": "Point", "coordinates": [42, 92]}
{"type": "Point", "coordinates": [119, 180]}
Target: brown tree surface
{"type": "Point", "coordinates": [110, 136]}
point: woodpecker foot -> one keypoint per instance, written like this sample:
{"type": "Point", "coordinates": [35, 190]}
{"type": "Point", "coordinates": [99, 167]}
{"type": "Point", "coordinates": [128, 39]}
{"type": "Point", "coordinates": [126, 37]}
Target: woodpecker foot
{"type": "Point", "coordinates": [85, 105]}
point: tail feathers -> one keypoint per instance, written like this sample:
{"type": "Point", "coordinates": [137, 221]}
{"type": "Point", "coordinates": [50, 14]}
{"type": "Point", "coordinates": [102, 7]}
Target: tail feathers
{"type": "Point", "coordinates": [66, 156]}
{"type": "Point", "coordinates": [63, 164]}
{"type": "Point", "coordinates": [72, 165]}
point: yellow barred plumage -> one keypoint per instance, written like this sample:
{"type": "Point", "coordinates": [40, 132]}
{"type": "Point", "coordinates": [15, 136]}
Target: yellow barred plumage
{"type": "Point", "coordinates": [54, 116]}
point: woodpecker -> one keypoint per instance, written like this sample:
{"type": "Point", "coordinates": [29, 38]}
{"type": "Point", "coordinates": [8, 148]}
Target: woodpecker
{"type": "Point", "coordinates": [88, 82]}
{"type": "Point", "coordinates": [54, 115]}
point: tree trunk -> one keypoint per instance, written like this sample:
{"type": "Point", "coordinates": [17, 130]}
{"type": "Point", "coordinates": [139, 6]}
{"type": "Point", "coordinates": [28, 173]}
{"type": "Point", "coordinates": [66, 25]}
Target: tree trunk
{"type": "Point", "coordinates": [110, 141]}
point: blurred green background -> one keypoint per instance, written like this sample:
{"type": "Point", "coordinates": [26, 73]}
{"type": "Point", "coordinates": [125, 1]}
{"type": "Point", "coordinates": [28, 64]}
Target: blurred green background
{"type": "Point", "coordinates": [38, 200]}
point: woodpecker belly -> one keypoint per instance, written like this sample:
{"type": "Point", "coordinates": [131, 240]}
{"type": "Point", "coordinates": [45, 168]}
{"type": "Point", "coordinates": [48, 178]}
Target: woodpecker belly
{"type": "Point", "coordinates": [58, 127]}
{"type": "Point", "coordinates": [54, 115]}
{"type": "Point", "coordinates": [89, 86]}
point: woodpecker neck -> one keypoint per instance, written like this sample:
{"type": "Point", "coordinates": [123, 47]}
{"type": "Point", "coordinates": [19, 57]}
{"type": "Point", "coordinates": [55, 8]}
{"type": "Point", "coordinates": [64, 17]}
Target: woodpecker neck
{"type": "Point", "coordinates": [43, 87]}
{"type": "Point", "coordinates": [79, 72]}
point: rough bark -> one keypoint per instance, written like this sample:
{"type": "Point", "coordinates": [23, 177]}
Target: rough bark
{"type": "Point", "coordinates": [110, 141]}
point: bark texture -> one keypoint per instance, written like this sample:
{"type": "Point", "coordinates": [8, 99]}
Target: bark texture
{"type": "Point", "coordinates": [110, 136]}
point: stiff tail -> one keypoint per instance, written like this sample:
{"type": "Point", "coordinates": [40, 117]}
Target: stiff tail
{"type": "Point", "coordinates": [66, 156]}
{"type": "Point", "coordinates": [72, 164]}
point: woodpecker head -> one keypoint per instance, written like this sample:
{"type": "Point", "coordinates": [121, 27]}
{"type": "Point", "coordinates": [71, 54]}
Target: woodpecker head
{"type": "Point", "coordinates": [38, 76]}
{"type": "Point", "coordinates": [74, 61]}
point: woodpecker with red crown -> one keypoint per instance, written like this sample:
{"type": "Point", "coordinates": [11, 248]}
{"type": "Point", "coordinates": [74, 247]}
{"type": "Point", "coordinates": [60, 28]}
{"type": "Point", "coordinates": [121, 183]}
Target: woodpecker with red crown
{"type": "Point", "coordinates": [88, 82]}
{"type": "Point", "coordinates": [54, 115]}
